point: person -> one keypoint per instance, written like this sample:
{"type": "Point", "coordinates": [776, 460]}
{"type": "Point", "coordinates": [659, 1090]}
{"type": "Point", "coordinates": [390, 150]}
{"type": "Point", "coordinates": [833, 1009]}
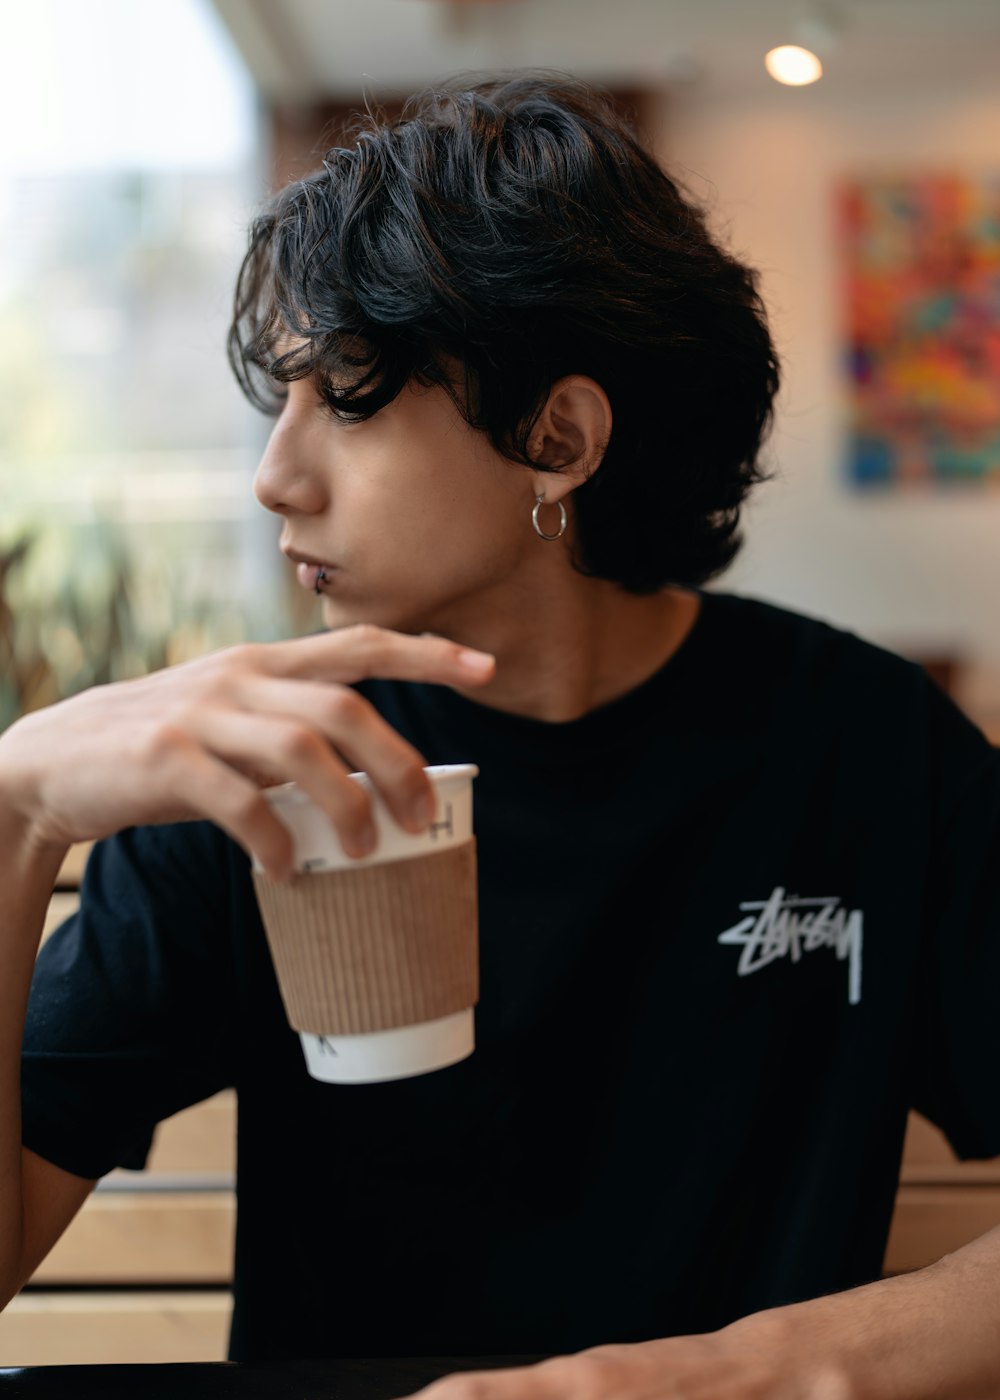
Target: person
{"type": "Point", "coordinates": [739, 895]}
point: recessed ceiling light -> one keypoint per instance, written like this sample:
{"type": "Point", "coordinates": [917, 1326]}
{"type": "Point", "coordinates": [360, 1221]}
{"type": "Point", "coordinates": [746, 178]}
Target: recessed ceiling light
{"type": "Point", "coordinates": [793, 65]}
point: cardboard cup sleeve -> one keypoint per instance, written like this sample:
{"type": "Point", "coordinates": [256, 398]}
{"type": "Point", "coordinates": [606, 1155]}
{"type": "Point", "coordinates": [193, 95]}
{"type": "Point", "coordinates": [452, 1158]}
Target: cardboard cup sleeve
{"type": "Point", "coordinates": [370, 949]}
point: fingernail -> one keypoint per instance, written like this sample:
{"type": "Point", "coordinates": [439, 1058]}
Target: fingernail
{"type": "Point", "coordinates": [478, 661]}
{"type": "Point", "coordinates": [364, 841]}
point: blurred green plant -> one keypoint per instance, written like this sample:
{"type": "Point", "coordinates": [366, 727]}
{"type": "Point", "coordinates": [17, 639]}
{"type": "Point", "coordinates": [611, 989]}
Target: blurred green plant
{"type": "Point", "coordinates": [78, 608]}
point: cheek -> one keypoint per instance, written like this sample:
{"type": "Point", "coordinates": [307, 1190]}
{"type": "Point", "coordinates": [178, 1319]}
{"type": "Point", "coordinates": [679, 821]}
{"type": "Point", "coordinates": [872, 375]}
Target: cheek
{"type": "Point", "coordinates": [481, 529]}
{"type": "Point", "coordinates": [460, 510]}
{"type": "Point", "coordinates": [449, 542]}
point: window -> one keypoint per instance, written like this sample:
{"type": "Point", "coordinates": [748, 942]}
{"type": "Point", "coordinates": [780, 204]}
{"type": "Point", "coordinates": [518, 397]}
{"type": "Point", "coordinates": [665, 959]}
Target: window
{"type": "Point", "coordinates": [128, 176]}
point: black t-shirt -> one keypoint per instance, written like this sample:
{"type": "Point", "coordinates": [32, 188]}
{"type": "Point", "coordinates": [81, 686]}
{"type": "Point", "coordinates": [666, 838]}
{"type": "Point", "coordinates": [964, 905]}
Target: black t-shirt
{"type": "Point", "coordinates": [733, 926]}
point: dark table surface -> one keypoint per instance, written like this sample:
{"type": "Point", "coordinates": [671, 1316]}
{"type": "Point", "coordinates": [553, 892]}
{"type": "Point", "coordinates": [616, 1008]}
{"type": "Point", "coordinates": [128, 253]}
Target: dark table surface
{"type": "Point", "coordinates": [385, 1378]}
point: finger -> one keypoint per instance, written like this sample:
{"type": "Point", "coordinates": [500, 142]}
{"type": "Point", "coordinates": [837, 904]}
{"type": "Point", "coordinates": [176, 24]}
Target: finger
{"type": "Point", "coordinates": [297, 754]}
{"type": "Point", "coordinates": [229, 800]}
{"type": "Point", "coordinates": [365, 652]}
{"type": "Point", "coordinates": [357, 731]}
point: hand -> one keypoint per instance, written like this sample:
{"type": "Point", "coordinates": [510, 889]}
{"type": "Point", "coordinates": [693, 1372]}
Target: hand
{"type": "Point", "coordinates": [756, 1359]}
{"type": "Point", "coordinates": [200, 740]}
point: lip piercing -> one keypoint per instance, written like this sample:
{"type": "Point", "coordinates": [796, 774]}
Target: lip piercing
{"type": "Point", "coordinates": [320, 578]}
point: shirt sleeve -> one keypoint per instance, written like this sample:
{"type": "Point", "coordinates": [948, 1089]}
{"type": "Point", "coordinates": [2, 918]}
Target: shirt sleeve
{"type": "Point", "coordinates": [130, 1003]}
{"type": "Point", "coordinates": [957, 1024]}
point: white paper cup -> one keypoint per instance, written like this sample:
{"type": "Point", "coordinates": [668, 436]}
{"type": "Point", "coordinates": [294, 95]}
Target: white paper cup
{"type": "Point", "coordinates": [402, 1050]}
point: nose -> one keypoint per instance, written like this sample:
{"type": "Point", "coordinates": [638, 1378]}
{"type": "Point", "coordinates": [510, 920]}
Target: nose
{"type": "Point", "coordinates": [290, 477]}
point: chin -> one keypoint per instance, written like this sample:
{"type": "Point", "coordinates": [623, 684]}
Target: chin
{"type": "Point", "coordinates": [337, 615]}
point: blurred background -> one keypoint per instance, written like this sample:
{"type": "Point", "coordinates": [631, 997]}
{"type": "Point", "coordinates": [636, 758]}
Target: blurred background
{"type": "Point", "coordinates": [139, 139]}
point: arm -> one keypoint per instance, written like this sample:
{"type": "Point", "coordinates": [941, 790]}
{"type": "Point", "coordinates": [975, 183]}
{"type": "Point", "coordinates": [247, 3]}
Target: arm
{"type": "Point", "coordinates": [930, 1335]}
{"type": "Point", "coordinates": [189, 742]}
{"type": "Point", "coordinates": [37, 1199]}
{"type": "Point", "coordinates": [933, 1333]}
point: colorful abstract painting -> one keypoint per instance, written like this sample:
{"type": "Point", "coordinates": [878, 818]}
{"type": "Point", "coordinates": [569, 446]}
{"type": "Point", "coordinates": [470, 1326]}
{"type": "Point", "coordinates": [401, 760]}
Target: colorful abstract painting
{"type": "Point", "coordinates": [921, 295]}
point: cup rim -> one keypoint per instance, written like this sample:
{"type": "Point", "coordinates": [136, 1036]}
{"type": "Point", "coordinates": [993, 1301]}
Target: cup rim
{"type": "Point", "coordinates": [440, 774]}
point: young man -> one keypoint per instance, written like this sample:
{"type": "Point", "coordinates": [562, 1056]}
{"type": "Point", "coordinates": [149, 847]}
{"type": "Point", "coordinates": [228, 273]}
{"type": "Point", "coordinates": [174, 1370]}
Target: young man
{"type": "Point", "coordinates": [740, 908]}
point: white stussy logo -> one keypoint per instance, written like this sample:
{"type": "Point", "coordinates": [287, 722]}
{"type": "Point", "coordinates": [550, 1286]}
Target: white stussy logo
{"type": "Point", "coordinates": [779, 931]}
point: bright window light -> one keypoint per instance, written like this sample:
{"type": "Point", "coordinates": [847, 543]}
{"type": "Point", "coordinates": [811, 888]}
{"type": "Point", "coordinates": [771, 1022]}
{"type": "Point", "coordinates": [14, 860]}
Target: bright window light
{"type": "Point", "coordinates": [112, 84]}
{"type": "Point", "coordinates": [793, 65]}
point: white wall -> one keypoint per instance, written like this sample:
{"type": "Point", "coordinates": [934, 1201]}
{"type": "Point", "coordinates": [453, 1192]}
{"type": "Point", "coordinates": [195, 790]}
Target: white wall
{"type": "Point", "coordinates": [911, 570]}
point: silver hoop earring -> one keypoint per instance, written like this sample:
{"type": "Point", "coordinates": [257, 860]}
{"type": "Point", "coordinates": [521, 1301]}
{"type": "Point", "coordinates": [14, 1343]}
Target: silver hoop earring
{"type": "Point", "coordinates": [538, 529]}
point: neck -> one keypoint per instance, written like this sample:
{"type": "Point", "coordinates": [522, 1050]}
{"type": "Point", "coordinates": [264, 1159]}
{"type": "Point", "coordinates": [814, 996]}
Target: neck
{"type": "Point", "coordinates": [583, 647]}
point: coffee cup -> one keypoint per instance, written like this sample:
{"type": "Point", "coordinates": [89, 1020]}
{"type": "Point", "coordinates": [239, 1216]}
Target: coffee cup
{"type": "Point", "coordinates": [377, 958]}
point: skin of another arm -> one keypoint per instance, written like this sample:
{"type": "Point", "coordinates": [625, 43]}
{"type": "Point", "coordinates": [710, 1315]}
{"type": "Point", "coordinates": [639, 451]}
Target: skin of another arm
{"type": "Point", "coordinates": [929, 1335]}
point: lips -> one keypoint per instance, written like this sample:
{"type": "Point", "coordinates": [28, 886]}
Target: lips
{"type": "Point", "coordinates": [310, 569]}
{"type": "Point", "coordinates": [309, 576]}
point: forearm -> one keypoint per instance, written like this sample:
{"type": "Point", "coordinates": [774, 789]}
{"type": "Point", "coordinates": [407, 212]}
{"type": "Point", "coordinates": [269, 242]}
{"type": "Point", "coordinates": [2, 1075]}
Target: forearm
{"type": "Point", "coordinates": [929, 1335]}
{"type": "Point", "coordinates": [27, 876]}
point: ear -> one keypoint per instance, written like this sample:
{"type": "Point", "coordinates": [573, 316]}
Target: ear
{"type": "Point", "coordinates": [572, 434]}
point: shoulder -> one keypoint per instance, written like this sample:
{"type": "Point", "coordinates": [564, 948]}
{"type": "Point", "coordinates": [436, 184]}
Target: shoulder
{"type": "Point", "coordinates": [800, 635]}
{"type": "Point", "coordinates": [805, 653]}
{"type": "Point", "coordinates": [823, 673]}
{"type": "Point", "coordinates": [171, 867]}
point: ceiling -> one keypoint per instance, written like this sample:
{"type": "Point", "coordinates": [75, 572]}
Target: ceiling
{"type": "Point", "coordinates": [304, 51]}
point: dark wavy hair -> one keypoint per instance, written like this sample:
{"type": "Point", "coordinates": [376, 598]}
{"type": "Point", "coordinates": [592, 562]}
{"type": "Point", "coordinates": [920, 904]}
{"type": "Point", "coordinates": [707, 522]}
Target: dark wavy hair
{"type": "Point", "coordinates": [517, 225]}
